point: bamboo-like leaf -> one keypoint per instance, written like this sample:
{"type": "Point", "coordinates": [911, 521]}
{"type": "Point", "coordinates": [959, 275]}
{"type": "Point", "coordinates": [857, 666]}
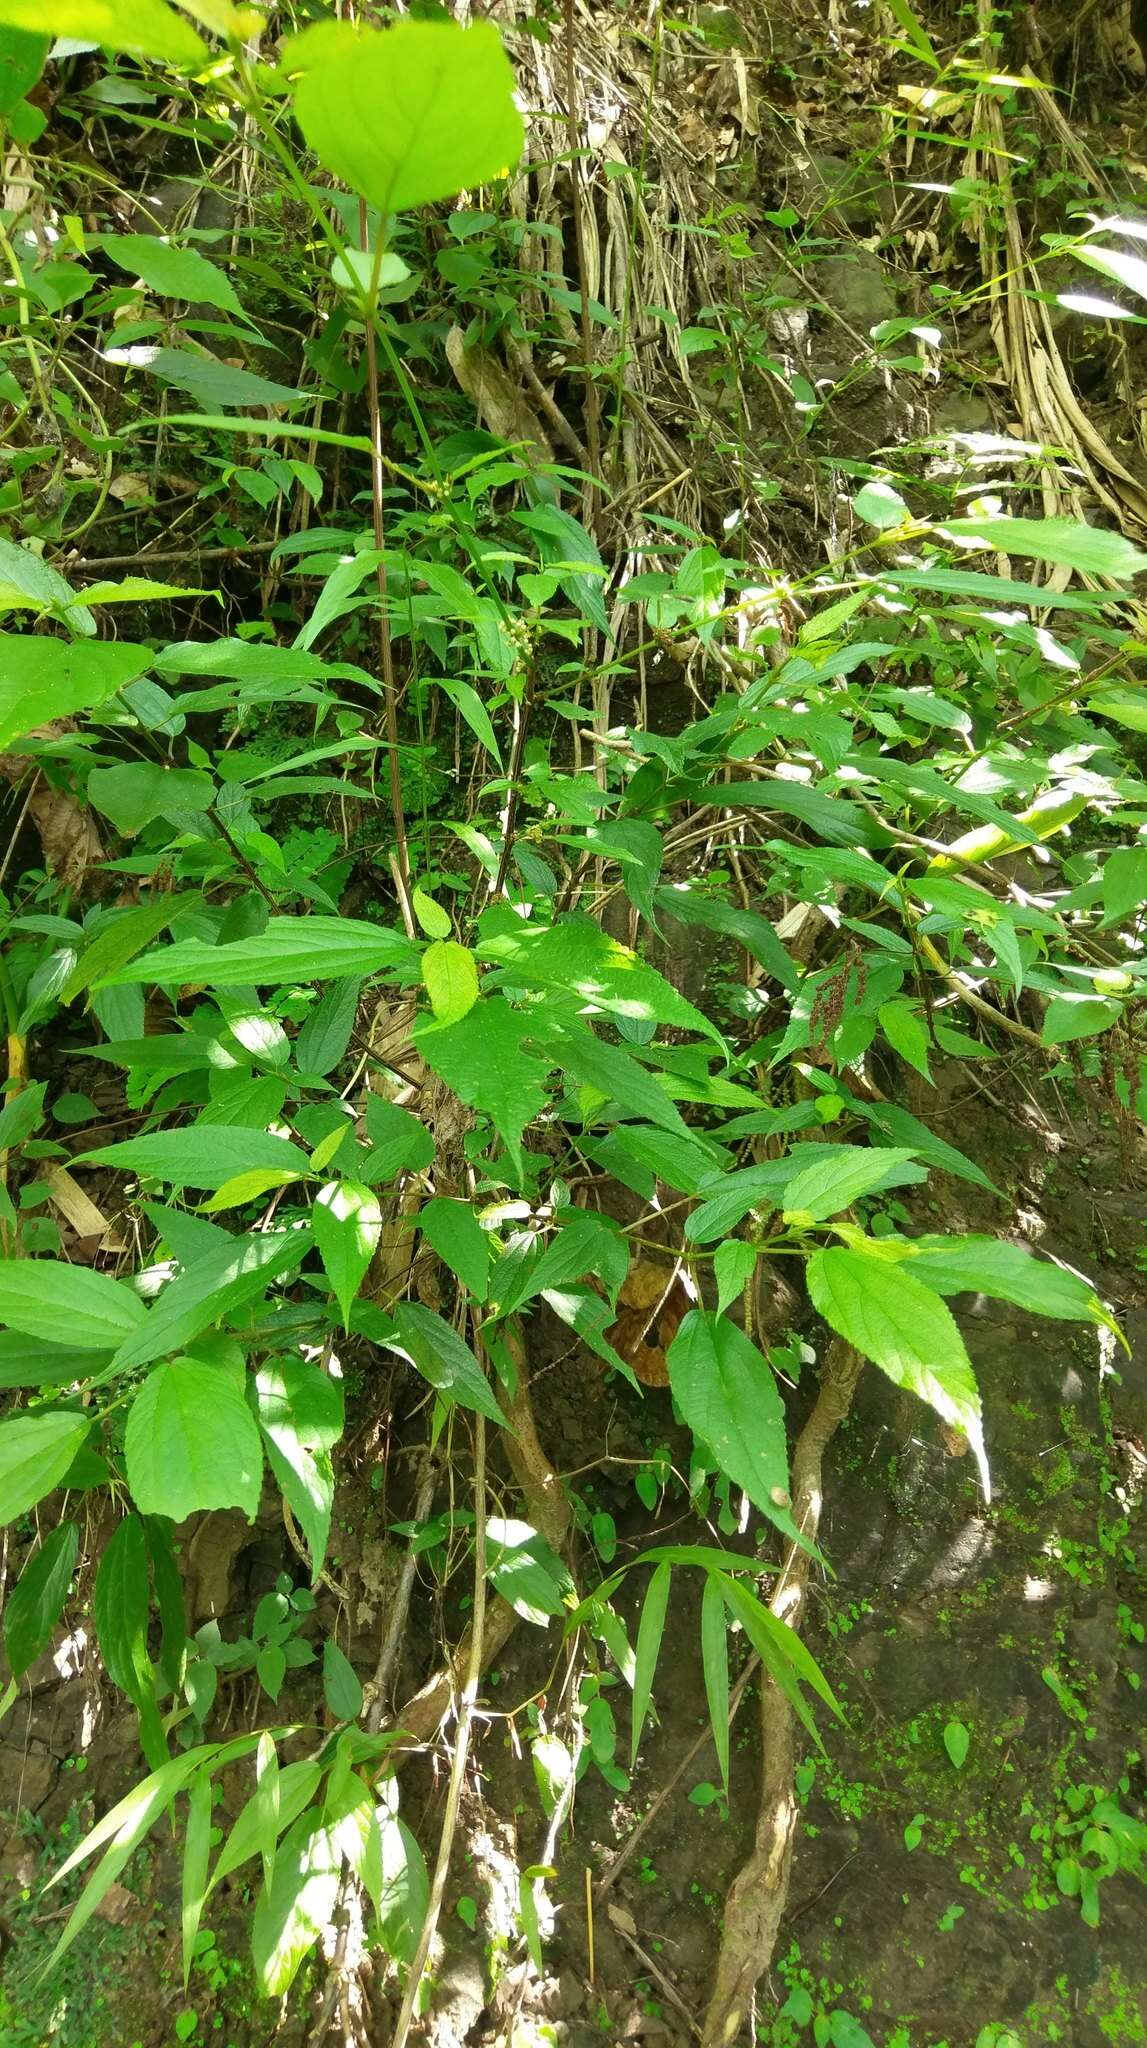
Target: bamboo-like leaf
{"type": "Point", "coordinates": [196, 1850]}
{"type": "Point", "coordinates": [649, 1633]}
{"type": "Point", "coordinates": [715, 1665]}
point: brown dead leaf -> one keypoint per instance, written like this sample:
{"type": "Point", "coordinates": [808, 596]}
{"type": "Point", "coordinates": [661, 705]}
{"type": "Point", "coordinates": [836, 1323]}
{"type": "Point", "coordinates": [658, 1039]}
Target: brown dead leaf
{"type": "Point", "coordinates": [654, 1299]}
{"type": "Point", "coordinates": [501, 405]}
{"type": "Point", "coordinates": [117, 1904]}
{"type": "Point", "coordinates": [131, 487]}
{"type": "Point", "coordinates": [78, 1209]}
{"type": "Point", "coordinates": [68, 833]}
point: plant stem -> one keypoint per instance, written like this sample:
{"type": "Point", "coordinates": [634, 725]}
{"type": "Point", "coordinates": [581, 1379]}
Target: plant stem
{"type": "Point", "coordinates": [461, 1745]}
{"type": "Point", "coordinates": [592, 419]}
{"type": "Point", "coordinates": [757, 1899]}
{"type": "Point", "coordinates": [378, 468]}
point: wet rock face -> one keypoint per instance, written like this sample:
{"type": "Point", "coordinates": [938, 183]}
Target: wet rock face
{"type": "Point", "coordinates": [1016, 1619]}
{"type": "Point", "coordinates": [834, 193]}
{"type": "Point", "coordinates": [859, 288]}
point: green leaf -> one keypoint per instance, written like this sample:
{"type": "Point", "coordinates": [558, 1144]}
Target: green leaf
{"type": "Point", "coordinates": [117, 937]}
{"type": "Point", "coordinates": [36, 1601]}
{"type": "Point", "coordinates": [1126, 707]}
{"type": "Point", "coordinates": [1091, 550]}
{"type": "Point", "coordinates": [484, 1061]}
{"type": "Point", "coordinates": [144, 28]}
{"type": "Point", "coordinates": [136, 792]}
{"type": "Point", "coordinates": [781, 1651]}
{"type": "Point", "coordinates": [297, 1906]}
{"type": "Point", "coordinates": [327, 1028]}
{"type": "Point", "coordinates": [28, 583]}
{"type": "Point", "coordinates": [173, 272]}
{"type": "Point", "coordinates": [565, 545]}
{"type": "Point", "coordinates": [120, 1607]}
{"type": "Point", "coordinates": [192, 1442]}
{"type": "Point", "coordinates": [892, 1318]}
{"type": "Point", "coordinates": [900, 1125]}
{"type": "Point", "coordinates": [586, 1243]}
{"type": "Point", "coordinates": [734, 1264]}
{"type": "Point", "coordinates": [454, 1232]}
{"type": "Point", "coordinates": [436, 1350]}
{"type": "Point", "coordinates": [957, 1742]}
{"type": "Point", "coordinates": [468, 702]}
{"type": "Point", "coordinates": [22, 1113]}
{"type": "Point", "coordinates": [202, 1156]}
{"type": "Point", "coordinates": [300, 1410]}
{"type": "Point", "coordinates": [838, 1179]}
{"type": "Point", "coordinates": [684, 1159]}
{"type": "Point", "coordinates": [650, 1630]}
{"type": "Point", "coordinates": [280, 1797]}
{"type": "Point", "coordinates": [405, 1889]}
{"type": "Point", "coordinates": [1068, 1017]}
{"type": "Point", "coordinates": [575, 957]}
{"type": "Point", "coordinates": [42, 679]}
{"type": "Point", "coordinates": [21, 62]}
{"type": "Point", "coordinates": [450, 974]}
{"type": "Point", "coordinates": [907, 1033]}
{"type": "Point", "coordinates": [347, 1224]}
{"type": "Point", "coordinates": [880, 506]}
{"type": "Point", "coordinates": [137, 590]}
{"type": "Point", "coordinates": [1124, 882]}
{"type": "Point", "coordinates": [399, 1141]}
{"type": "Point", "coordinates": [715, 1665]}
{"type": "Point", "coordinates": [169, 1600]}
{"type": "Point", "coordinates": [246, 1187]}
{"type": "Point", "coordinates": [287, 949]}
{"type": "Point", "coordinates": [938, 583]}
{"type": "Point", "coordinates": [527, 1571]}
{"type": "Point", "coordinates": [206, 1293]}
{"type": "Point", "coordinates": [434, 920]}
{"type": "Point", "coordinates": [126, 1825]}
{"type": "Point", "coordinates": [214, 384]}
{"type": "Point", "coordinates": [271, 1668]}
{"type": "Point", "coordinates": [196, 1852]}
{"type": "Point", "coordinates": [727, 1394]}
{"type": "Point", "coordinates": [844, 2030]}
{"type": "Point", "coordinates": [989, 1265]}
{"type": "Point", "coordinates": [832, 819]}
{"type": "Point", "coordinates": [47, 1298]}
{"type": "Point", "coordinates": [341, 1688]}
{"type": "Point", "coordinates": [448, 91]}
{"type": "Point", "coordinates": [1119, 264]}
{"type": "Point", "coordinates": [610, 1069]}
{"type": "Point", "coordinates": [749, 1187]}
{"type": "Point", "coordinates": [34, 1362]}
{"type": "Point", "coordinates": [755, 933]}
{"type": "Point", "coordinates": [917, 35]}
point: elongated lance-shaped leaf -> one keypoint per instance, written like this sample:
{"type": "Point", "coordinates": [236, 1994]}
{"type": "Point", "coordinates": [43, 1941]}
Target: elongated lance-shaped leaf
{"type": "Point", "coordinates": [715, 1665]}
{"type": "Point", "coordinates": [649, 1633]}
{"type": "Point", "coordinates": [196, 1850]}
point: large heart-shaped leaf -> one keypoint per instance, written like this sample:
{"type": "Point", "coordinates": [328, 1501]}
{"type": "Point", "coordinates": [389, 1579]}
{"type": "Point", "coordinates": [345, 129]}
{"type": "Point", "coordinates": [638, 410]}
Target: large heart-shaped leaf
{"type": "Point", "coordinates": [407, 114]}
{"type": "Point", "coordinates": [192, 1442]}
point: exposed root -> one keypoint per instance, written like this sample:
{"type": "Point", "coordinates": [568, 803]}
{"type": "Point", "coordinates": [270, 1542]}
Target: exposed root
{"type": "Point", "coordinates": [759, 1893]}
{"type": "Point", "coordinates": [466, 1702]}
{"type": "Point", "coordinates": [379, 1687]}
{"type": "Point", "coordinates": [548, 1511]}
